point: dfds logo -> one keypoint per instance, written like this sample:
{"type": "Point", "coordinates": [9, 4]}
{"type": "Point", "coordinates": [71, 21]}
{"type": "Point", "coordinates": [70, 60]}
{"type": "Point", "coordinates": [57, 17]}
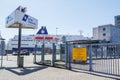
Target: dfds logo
{"type": "Point", "coordinates": [25, 18]}
{"type": "Point", "coordinates": [9, 18]}
{"type": "Point", "coordinates": [28, 19]}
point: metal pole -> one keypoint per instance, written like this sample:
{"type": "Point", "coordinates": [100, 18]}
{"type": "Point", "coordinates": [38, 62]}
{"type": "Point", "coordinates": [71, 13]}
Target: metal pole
{"type": "Point", "coordinates": [61, 52]}
{"type": "Point", "coordinates": [56, 31]}
{"type": "Point", "coordinates": [7, 52]}
{"type": "Point", "coordinates": [69, 56]}
{"type": "Point", "coordinates": [1, 56]}
{"type": "Point", "coordinates": [42, 56]}
{"type": "Point", "coordinates": [2, 59]}
{"type": "Point", "coordinates": [90, 57]}
{"type": "Point", "coordinates": [2, 52]}
{"type": "Point", "coordinates": [66, 55]}
{"type": "Point", "coordinates": [19, 45]}
{"type": "Point", "coordinates": [53, 55]}
{"type": "Point", "coordinates": [35, 53]}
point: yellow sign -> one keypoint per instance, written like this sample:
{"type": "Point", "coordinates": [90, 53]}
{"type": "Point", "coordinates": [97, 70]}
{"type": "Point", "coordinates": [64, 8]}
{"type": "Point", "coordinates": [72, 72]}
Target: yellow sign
{"type": "Point", "coordinates": [79, 54]}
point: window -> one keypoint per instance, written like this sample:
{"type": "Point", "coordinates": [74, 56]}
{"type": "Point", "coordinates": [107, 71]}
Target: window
{"type": "Point", "coordinates": [104, 34]}
{"type": "Point", "coordinates": [118, 18]}
{"type": "Point", "coordinates": [104, 29]}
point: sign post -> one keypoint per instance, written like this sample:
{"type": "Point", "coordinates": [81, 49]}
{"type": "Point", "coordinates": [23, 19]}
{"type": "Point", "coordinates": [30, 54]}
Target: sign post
{"type": "Point", "coordinates": [19, 45]}
{"type": "Point", "coordinates": [18, 19]}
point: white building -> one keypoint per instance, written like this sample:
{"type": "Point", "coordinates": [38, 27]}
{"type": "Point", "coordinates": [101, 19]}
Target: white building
{"type": "Point", "coordinates": [109, 33]}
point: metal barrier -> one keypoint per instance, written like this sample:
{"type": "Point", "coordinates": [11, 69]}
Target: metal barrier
{"type": "Point", "coordinates": [78, 64]}
{"type": "Point", "coordinates": [102, 58]}
{"type": "Point", "coordinates": [106, 58]}
{"type": "Point", "coordinates": [1, 61]}
{"type": "Point", "coordinates": [52, 55]}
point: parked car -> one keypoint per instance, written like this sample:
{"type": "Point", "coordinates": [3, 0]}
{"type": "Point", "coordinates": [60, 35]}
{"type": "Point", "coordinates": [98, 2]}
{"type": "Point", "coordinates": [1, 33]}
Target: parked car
{"type": "Point", "coordinates": [21, 53]}
{"type": "Point", "coordinates": [37, 53]}
{"type": "Point", "coordinates": [14, 53]}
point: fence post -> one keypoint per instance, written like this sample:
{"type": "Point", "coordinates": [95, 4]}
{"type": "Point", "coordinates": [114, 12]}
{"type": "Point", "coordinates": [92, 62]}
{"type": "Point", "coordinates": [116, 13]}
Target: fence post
{"type": "Point", "coordinates": [66, 55]}
{"type": "Point", "coordinates": [69, 56]}
{"type": "Point", "coordinates": [1, 59]}
{"type": "Point", "coordinates": [43, 53]}
{"type": "Point", "coordinates": [53, 55]}
{"type": "Point", "coordinates": [61, 52]}
{"type": "Point", "coordinates": [35, 54]}
{"type": "Point", "coordinates": [90, 58]}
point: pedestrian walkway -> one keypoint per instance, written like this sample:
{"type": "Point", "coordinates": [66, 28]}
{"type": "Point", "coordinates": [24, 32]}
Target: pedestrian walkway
{"type": "Point", "coordinates": [37, 72]}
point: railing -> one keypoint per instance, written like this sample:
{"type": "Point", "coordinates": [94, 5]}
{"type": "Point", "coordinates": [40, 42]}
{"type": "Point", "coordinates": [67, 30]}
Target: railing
{"type": "Point", "coordinates": [102, 58]}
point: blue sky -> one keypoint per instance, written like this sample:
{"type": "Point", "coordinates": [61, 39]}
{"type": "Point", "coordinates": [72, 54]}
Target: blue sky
{"type": "Point", "coordinates": [69, 16]}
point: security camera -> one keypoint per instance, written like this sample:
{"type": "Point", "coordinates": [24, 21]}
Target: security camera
{"type": "Point", "coordinates": [23, 9]}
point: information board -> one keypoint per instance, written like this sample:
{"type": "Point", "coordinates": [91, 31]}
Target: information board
{"type": "Point", "coordinates": [79, 54]}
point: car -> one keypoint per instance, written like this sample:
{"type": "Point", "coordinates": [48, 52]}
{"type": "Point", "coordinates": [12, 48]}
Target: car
{"type": "Point", "coordinates": [21, 53]}
{"type": "Point", "coordinates": [37, 53]}
{"type": "Point", "coordinates": [25, 53]}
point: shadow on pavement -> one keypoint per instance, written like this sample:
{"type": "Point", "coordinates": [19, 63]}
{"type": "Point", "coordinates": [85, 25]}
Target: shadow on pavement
{"type": "Point", "coordinates": [25, 70]}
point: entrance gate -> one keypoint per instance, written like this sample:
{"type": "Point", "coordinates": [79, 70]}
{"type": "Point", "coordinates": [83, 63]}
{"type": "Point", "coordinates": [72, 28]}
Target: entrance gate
{"type": "Point", "coordinates": [101, 58]}
{"type": "Point", "coordinates": [52, 55]}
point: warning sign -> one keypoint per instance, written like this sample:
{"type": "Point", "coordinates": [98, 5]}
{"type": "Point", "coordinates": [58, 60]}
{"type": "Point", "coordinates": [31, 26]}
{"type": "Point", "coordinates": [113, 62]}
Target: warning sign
{"type": "Point", "coordinates": [79, 54]}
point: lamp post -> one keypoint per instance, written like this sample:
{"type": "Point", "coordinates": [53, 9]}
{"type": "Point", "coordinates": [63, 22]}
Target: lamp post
{"type": "Point", "coordinates": [56, 30]}
{"type": "Point", "coordinates": [80, 31]}
{"type": "Point", "coordinates": [56, 33]}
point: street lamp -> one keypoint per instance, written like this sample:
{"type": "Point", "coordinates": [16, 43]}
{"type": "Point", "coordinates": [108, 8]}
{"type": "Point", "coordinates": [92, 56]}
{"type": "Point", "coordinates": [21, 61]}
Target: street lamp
{"type": "Point", "coordinates": [80, 31]}
{"type": "Point", "coordinates": [56, 33]}
{"type": "Point", "coordinates": [56, 30]}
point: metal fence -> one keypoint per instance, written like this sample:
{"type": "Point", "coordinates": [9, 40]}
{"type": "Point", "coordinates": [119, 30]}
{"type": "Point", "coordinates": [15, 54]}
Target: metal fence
{"type": "Point", "coordinates": [102, 58]}
{"type": "Point", "coordinates": [52, 55]}
{"type": "Point", "coordinates": [1, 57]}
{"type": "Point", "coordinates": [106, 58]}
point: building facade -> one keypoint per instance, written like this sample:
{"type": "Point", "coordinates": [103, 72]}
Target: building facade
{"type": "Point", "coordinates": [107, 33]}
{"type": "Point", "coordinates": [117, 21]}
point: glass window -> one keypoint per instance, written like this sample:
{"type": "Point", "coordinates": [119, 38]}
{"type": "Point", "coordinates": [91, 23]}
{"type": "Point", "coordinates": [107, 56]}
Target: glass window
{"type": "Point", "coordinates": [104, 29]}
{"type": "Point", "coordinates": [104, 34]}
